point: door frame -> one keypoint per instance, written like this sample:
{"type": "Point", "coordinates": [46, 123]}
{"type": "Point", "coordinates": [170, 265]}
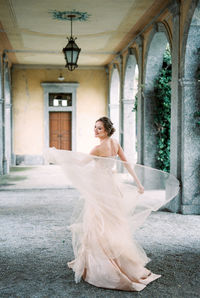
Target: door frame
{"type": "Point", "coordinates": [59, 88]}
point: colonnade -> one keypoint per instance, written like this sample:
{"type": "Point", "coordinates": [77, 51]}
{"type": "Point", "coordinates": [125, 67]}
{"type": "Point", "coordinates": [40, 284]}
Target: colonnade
{"type": "Point", "coordinates": [147, 51]}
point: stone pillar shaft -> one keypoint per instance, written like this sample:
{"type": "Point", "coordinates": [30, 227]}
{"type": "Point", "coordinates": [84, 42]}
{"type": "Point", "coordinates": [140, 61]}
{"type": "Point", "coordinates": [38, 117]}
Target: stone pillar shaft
{"type": "Point", "coordinates": [129, 130]}
{"type": "Point", "coordinates": [4, 161]}
{"type": "Point", "coordinates": [121, 112]}
{"type": "Point", "coordinates": [140, 107]}
{"type": "Point", "coordinates": [190, 155]}
{"type": "Point", "coordinates": [175, 135]}
{"type": "Point", "coordinates": [1, 136]}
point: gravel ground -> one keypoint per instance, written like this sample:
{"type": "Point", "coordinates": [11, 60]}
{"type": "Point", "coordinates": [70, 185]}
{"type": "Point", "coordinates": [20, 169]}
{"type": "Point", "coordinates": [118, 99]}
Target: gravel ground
{"type": "Point", "coordinates": [35, 247]}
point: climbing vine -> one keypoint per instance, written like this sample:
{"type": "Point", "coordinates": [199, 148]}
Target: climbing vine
{"type": "Point", "coordinates": [162, 118]}
{"type": "Point", "coordinates": [135, 104]}
{"type": "Point", "coordinates": [197, 117]}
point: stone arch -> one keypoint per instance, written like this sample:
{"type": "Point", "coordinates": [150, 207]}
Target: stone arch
{"type": "Point", "coordinates": [129, 116]}
{"type": "Point", "coordinates": [157, 43]}
{"type": "Point", "coordinates": [190, 46]}
{"type": "Point", "coordinates": [115, 99]}
{"type": "Point", "coordinates": [190, 101]}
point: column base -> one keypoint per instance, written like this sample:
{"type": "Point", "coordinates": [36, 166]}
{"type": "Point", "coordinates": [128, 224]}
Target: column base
{"type": "Point", "coordinates": [29, 159]}
{"type": "Point", "coordinates": [5, 167]}
{"type": "Point", "coordinates": [190, 209]}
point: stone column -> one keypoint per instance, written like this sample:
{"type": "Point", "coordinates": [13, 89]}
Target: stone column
{"type": "Point", "coordinates": [108, 93]}
{"type": "Point", "coordinates": [1, 119]}
{"type": "Point", "coordinates": [1, 136]}
{"type": "Point", "coordinates": [8, 146]}
{"type": "Point", "coordinates": [5, 162]}
{"type": "Point", "coordinates": [121, 112]}
{"type": "Point", "coordinates": [129, 130]}
{"type": "Point", "coordinates": [114, 116]}
{"type": "Point", "coordinates": [190, 153]}
{"type": "Point", "coordinates": [140, 105]}
{"type": "Point", "coordinates": [175, 135]}
{"type": "Point", "coordinates": [114, 104]}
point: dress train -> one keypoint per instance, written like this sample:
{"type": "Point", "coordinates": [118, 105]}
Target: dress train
{"type": "Point", "coordinates": [106, 254]}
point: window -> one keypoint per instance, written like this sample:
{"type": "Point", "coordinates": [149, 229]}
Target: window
{"type": "Point", "coordinates": [60, 99]}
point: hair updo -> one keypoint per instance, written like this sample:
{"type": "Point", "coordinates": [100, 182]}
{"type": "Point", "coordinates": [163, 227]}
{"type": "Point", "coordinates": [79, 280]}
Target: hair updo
{"type": "Point", "coordinates": [108, 125]}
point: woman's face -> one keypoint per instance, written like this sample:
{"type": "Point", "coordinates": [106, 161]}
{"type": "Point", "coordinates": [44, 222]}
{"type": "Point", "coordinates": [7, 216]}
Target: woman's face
{"type": "Point", "coordinates": [99, 130]}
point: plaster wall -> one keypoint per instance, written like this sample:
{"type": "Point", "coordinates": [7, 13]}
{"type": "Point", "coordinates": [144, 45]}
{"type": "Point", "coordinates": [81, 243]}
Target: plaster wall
{"type": "Point", "coordinates": [28, 106]}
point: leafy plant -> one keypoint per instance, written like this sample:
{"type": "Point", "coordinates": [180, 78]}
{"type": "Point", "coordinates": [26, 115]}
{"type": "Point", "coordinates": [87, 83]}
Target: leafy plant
{"type": "Point", "coordinates": [162, 89]}
{"type": "Point", "coordinates": [197, 116]}
{"type": "Point", "coordinates": [135, 104]}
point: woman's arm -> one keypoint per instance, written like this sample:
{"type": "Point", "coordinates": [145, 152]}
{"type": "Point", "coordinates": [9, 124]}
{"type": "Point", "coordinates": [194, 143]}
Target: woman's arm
{"type": "Point", "coordinates": [130, 169]}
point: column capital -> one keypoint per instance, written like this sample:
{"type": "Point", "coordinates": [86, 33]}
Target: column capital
{"type": "Point", "coordinates": [139, 41]}
{"type": "Point", "coordinates": [114, 105]}
{"type": "Point", "coordinates": [8, 105]}
{"type": "Point", "coordinates": [131, 51]}
{"type": "Point", "coordinates": [187, 82]}
{"type": "Point", "coordinates": [107, 69]}
{"type": "Point", "coordinates": [119, 57]}
{"type": "Point", "coordinates": [1, 101]}
{"type": "Point", "coordinates": [159, 27]}
{"type": "Point", "coordinates": [128, 100]}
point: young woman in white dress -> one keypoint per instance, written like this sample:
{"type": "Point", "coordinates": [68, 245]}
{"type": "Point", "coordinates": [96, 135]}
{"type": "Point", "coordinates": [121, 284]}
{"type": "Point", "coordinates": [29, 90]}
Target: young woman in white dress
{"type": "Point", "coordinates": [106, 255]}
{"type": "Point", "coordinates": [113, 205]}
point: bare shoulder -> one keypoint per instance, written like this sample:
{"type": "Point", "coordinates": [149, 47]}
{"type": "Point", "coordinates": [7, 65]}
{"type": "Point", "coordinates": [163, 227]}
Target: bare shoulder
{"type": "Point", "coordinates": [116, 144]}
{"type": "Point", "coordinates": [119, 150]}
{"type": "Point", "coordinates": [95, 150]}
{"type": "Point", "coordinates": [114, 140]}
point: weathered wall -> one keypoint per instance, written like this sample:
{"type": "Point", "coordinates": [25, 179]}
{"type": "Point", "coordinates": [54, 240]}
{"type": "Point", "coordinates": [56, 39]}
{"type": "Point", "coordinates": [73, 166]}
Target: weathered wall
{"type": "Point", "coordinates": [28, 105]}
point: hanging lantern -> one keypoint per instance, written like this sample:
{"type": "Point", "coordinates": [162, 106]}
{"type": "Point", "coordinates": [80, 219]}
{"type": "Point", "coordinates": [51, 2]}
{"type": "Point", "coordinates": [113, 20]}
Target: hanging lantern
{"type": "Point", "coordinates": [71, 51]}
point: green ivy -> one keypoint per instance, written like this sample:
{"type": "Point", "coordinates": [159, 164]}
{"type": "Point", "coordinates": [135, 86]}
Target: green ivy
{"type": "Point", "coordinates": [162, 118]}
{"type": "Point", "coordinates": [135, 104]}
{"type": "Point", "coordinates": [197, 116]}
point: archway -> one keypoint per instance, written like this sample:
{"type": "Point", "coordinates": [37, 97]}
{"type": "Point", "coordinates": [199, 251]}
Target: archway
{"type": "Point", "coordinates": [114, 100]}
{"type": "Point", "coordinates": [130, 108]}
{"type": "Point", "coordinates": [157, 45]}
{"type": "Point", "coordinates": [190, 101]}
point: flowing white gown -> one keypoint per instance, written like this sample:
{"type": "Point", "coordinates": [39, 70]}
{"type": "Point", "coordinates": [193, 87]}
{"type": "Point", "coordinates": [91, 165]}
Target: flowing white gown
{"type": "Point", "coordinates": [106, 254]}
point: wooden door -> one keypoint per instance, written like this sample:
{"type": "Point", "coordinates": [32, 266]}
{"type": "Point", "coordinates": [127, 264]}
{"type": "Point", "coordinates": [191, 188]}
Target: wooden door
{"type": "Point", "coordinates": [60, 130]}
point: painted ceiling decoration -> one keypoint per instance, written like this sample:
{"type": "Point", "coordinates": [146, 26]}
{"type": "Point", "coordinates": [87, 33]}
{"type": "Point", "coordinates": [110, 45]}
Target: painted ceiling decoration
{"type": "Point", "coordinates": [65, 15]}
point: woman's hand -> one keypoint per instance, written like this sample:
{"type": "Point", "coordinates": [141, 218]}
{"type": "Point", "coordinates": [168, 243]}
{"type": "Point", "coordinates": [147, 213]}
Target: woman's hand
{"type": "Point", "coordinates": [140, 189]}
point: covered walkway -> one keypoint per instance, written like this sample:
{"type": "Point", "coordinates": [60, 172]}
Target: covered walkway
{"type": "Point", "coordinates": [35, 244]}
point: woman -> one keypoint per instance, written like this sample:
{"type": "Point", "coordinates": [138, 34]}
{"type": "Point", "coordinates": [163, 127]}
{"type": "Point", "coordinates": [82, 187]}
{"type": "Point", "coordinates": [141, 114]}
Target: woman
{"type": "Point", "coordinates": [110, 147]}
{"type": "Point", "coordinates": [106, 255]}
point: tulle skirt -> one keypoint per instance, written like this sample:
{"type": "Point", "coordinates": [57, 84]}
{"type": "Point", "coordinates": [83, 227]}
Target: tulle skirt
{"type": "Point", "coordinates": [106, 216]}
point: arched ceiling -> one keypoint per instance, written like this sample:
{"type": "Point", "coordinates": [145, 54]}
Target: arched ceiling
{"type": "Point", "coordinates": [31, 35]}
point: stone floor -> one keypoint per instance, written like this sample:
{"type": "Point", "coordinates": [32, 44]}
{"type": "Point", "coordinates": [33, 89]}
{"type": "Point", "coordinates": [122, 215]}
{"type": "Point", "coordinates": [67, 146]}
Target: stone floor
{"type": "Point", "coordinates": [35, 244]}
{"type": "Point", "coordinates": [34, 177]}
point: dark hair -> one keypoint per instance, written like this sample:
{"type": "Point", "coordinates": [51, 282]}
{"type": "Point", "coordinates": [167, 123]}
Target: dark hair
{"type": "Point", "coordinates": [108, 125]}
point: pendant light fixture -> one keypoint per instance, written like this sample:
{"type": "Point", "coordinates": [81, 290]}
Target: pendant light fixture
{"type": "Point", "coordinates": [61, 78]}
{"type": "Point", "coordinates": [71, 51]}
